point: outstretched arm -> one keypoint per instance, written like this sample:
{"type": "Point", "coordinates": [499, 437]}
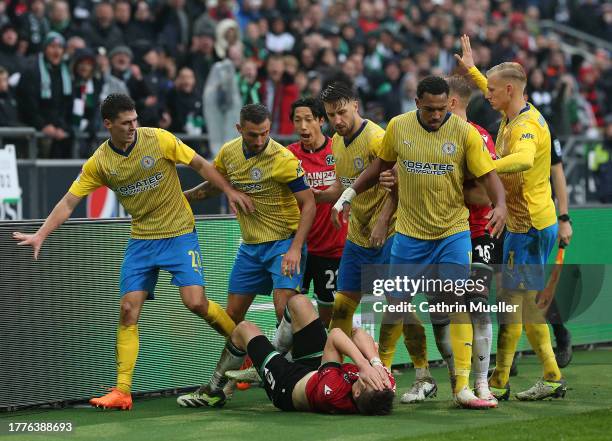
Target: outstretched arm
{"type": "Point", "coordinates": [201, 191]}
{"type": "Point", "coordinates": [235, 198]}
{"type": "Point", "coordinates": [58, 216]}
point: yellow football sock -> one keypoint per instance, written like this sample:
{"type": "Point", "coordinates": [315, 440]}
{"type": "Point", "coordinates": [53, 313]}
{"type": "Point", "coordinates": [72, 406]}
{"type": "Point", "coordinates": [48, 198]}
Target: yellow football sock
{"type": "Point", "coordinates": [126, 355]}
{"type": "Point", "coordinates": [342, 314]}
{"type": "Point", "coordinates": [389, 334]}
{"type": "Point", "coordinates": [416, 343]}
{"type": "Point", "coordinates": [461, 336]}
{"type": "Point", "coordinates": [507, 341]}
{"type": "Point", "coordinates": [539, 337]}
{"type": "Point", "coordinates": [218, 319]}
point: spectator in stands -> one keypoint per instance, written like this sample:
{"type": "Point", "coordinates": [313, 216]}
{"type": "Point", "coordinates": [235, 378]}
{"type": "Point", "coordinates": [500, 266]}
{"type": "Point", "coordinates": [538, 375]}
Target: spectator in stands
{"type": "Point", "coordinates": [102, 31]}
{"type": "Point", "coordinates": [87, 88]}
{"type": "Point", "coordinates": [9, 55]}
{"type": "Point", "coordinates": [227, 34]}
{"type": "Point", "coordinates": [8, 105]}
{"type": "Point", "coordinates": [184, 104]}
{"type": "Point", "coordinates": [201, 55]}
{"type": "Point", "coordinates": [33, 26]}
{"type": "Point", "coordinates": [539, 94]}
{"type": "Point", "coordinates": [44, 97]}
{"type": "Point", "coordinates": [254, 44]}
{"type": "Point", "coordinates": [158, 81]}
{"type": "Point", "coordinates": [173, 21]}
{"type": "Point", "coordinates": [250, 88]}
{"type": "Point", "coordinates": [123, 17]}
{"type": "Point", "coordinates": [222, 100]}
{"type": "Point", "coordinates": [122, 68]}
{"type": "Point", "coordinates": [279, 91]}
{"type": "Point", "coordinates": [278, 40]}
{"type": "Point", "coordinates": [142, 28]}
{"type": "Point", "coordinates": [60, 20]}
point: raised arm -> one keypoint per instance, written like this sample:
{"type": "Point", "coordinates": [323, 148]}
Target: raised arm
{"type": "Point", "coordinates": [467, 65]}
{"type": "Point", "coordinates": [58, 216]}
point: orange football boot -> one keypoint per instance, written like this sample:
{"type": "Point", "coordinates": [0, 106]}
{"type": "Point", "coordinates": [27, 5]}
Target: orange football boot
{"type": "Point", "coordinates": [115, 399]}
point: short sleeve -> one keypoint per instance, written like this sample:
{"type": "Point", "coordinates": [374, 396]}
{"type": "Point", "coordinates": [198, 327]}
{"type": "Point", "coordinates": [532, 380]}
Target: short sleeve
{"type": "Point", "coordinates": [88, 180]}
{"type": "Point", "coordinates": [286, 168]}
{"type": "Point", "coordinates": [556, 152]}
{"type": "Point", "coordinates": [173, 148]}
{"type": "Point", "coordinates": [479, 160]}
{"type": "Point", "coordinates": [386, 150]}
{"type": "Point", "coordinates": [219, 163]}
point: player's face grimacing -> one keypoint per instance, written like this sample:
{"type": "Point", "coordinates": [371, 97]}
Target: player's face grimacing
{"type": "Point", "coordinates": [497, 92]}
{"type": "Point", "coordinates": [255, 136]}
{"type": "Point", "coordinates": [306, 126]}
{"type": "Point", "coordinates": [123, 128]}
{"type": "Point", "coordinates": [341, 115]}
{"type": "Point", "coordinates": [432, 109]}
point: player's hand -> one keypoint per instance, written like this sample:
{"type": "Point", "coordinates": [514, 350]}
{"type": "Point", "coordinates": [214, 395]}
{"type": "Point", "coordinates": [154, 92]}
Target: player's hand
{"type": "Point", "coordinates": [372, 377]}
{"type": "Point", "coordinates": [290, 264]}
{"type": "Point", "coordinates": [544, 299]}
{"type": "Point", "coordinates": [342, 217]}
{"type": "Point", "coordinates": [565, 232]}
{"type": "Point", "coordinates": [33, 240]}
{"type": "Point", "coordinates": [317, 194]}
{"type": "Point", "coordinates": [497, 220]}
{"type": "Point", "coordinates": [343, 204]}
{"type": "Point", "coordinates": [388, 179]}
{"type": "Point", "coordinates": [238, 200]}
{"type": "Point", "coordinates": [378, 236]}
{"type": "Point", "coordinates": [466, 60]}
{"type": "Point", "coordinates": [384, 374]}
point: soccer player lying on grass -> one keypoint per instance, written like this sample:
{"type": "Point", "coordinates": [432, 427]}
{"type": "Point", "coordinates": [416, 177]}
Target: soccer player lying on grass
{"type": "Point", "coordinates": [317, 380]}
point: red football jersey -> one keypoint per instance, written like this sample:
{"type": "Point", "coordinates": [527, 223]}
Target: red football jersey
{"type": "Point", "coordinates": [323, 239]}
{"type": "Point", "coordinates": [330, 389]}
{"type": "Point", "coordinates": [478, 213]}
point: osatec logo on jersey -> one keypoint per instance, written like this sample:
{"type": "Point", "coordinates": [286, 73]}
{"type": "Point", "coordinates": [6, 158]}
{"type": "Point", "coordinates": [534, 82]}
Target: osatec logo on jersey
{"type": "Point", "coordinates": [347, 182]}
{"type": "Point", "coordinates": [321, 178]}
{"type": "Point", "coordinates": [140, 186]}
{"type": "Point", "coordinates": [428, 168]}
{"type": "Point", "coordinates": [246, 187]}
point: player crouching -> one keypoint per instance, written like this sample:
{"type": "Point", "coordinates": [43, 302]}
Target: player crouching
{"type": "Point", "coordinates": [312, 382]}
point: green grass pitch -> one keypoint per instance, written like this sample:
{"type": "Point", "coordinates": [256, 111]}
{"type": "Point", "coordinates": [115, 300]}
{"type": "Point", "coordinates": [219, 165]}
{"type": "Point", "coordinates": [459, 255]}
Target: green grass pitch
{"type": "Point", "coordinates": [585, 414]}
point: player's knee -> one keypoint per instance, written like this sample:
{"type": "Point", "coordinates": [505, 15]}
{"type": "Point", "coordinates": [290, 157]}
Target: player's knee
{"type": "Point", "coordinates": [197, 304]}
{"type": "Point", "coordinates": [129, 313]}
{"type": "Point", "coordinates": [298, 303]}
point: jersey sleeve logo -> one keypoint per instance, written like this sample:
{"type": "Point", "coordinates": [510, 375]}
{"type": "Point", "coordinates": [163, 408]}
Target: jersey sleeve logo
{"type": "Point", "coordinates": [449, 148]}
{"type": "Point", "coordinates": [330, 160]}
{"type": "Point", "coordinates": [327, 390]}
{"type": "Point", "coordinates": [147, 162]}
{"type": "Point", "coordinates": [255, 174]}
{"type": "Point", "coordinates": [527, 136]}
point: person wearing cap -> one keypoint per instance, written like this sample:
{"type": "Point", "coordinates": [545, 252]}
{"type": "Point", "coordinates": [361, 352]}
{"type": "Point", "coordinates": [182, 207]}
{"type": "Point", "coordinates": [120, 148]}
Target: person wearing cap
{"type": "Point", "coordinates": [122, 67]}
{"type": "Point", "coordinates": [44, 96]}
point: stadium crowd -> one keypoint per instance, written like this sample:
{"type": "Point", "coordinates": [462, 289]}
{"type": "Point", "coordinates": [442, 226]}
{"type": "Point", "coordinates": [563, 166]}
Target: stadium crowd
{"type": "Point", "coordinates": [190, 65]}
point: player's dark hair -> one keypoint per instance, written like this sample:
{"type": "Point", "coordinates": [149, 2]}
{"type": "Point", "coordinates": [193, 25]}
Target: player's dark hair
{"type": "Point", "coordinates": [338, 91]}
{"type": "Point", "coordinates": [255, 113]}
{"type": "Point", "coordinates": [315, 105]}
{"type": "Point", "coordinates": [375, 402]}
{"type": "Point", "coordinates": [460, 86]}
{"type": "Point", "coordinates": [114, 104]}
{"type": "Point", "coordinates": [432, 85]}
